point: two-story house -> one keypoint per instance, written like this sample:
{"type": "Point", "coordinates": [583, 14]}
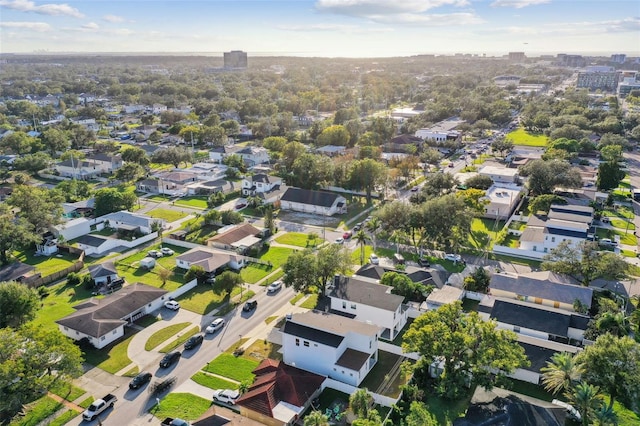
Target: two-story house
{"type": "Point", "coordinates": [266, 187]}
{"type": "Point", "coordinates": [563, 223]}
{"type": "Point", "coordinates": [367, 301]}
{"type": "Point", "coordinates": [331, 345]}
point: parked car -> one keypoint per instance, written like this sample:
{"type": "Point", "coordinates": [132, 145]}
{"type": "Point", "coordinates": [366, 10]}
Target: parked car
{"type": "Point", "coordinates": [140, 380]}
{"type": "Point", "coordinates": [169, 359]}
{"type": "Point", "coordinates": [608, 242]}
{"type": "Point", "coordinates": [166, 251]}
{"type": "Point", "coordinates": [339, 240]}
{"type": "Point", "coordinates": [605, 219]}
{"type": "Point", "coordinates": [451, 164]}
{"type": "Point", "coordinates": [347, 235]}
{"type": "Point", "coordinates": [374, 259]}
{"type": "Point", "coordinates": [98, 406]}
{"type": "Point", "coordinates": [154, 253]}
{"type": "Point", "coordinates": [193, 341]}
{"type": "Point", "coordinates": [172, 304]}
{"type": "Point", "coordinates": [216, 325]}
{"type": "Point", "coordinates": [274, 286]}
{"type": "Point", "coordinates": [227, 396]}
{"type": "Point", "coordinates": [250, 305]}
{"type": "Point", "coordinates": [423, 261]}
{"type": "Point", "coordinates": [357, 227]}
{"type": "Point", "coordinates": [240, 206]}
{"type": "Point", "coordinates": [170, 421]}
{"type": "Point", "coordinates": [414, 189]}
{"type": "Point", "coordinates": [453, 257]}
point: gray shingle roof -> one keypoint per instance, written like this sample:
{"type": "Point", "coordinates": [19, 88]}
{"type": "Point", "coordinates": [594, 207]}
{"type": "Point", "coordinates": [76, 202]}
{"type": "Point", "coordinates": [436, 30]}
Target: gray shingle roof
{"type": "Point", "coordinates": [531, 317]}
{"type": "Point", "coordinates": [91, 240]}
{"type": "Point", "coordinates": [365, 292]}
{"type": "Point", "coordinates": [312, 334]}
{"type": "Point", "coordinates": [102, 270]}
{"type": "Point", "coordinates": [310, 197]}
{"type": "Point", "coordinates": [547, 286]}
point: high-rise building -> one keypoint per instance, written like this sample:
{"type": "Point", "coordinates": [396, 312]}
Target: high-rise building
{"type": "Point", "coordinates": [235, 59]}
{"type": "Point", "coordinates": [517, 56]}
{"type": "Point", "coordinates": [598, 78]}
{"type": "Point", "coordinates": [619, 58]}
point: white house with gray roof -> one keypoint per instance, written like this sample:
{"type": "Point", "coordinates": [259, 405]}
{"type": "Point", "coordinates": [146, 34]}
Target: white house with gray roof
{"type": "Point", "coordinates": [310, 201]}
{"type": "Point", "coordinates": [330, 345]}
{"type": "Point", "coordinates": [363, 299]}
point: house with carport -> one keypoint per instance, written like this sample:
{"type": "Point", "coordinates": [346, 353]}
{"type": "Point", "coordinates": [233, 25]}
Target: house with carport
{"type": "Point", "coordinates": [330, 345]}
{"type": "Point", "coordinates": [239, 238]}
{"type": "Point", "coordinates": [211, 260]}
{"type": "Point", "coordinates": [103, 321]}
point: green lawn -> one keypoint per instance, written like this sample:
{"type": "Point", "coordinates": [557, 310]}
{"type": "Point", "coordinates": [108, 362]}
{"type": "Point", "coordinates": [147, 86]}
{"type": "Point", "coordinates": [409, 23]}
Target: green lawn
{"type": "Point", "coordinates": [112, 358]}
{"type": "Point", "coordinates": [296, 298]}
{"type": "Point", "coordinates": [376, 377]}
{"type": "Point", "coordinates": [198, 202]}
{"type": "Point", "coordinates": [164, 334]}
{"type": "Point", "coordinates": [354, 208]}
{"type": "Point", "coordinates": [236, 368]}
{"type": "Point", "coordinates": [46, 265]}
{"type": "Point", "coordinates": [255, 272]}
{"type": "Point", "coordinates": [445, 410]}
{"type": "Point", "coordinates": [297, 239]}
{"type": "Point", "coordinates": [213, 382]}
{"type": "Point", "coordinates": [517, 260]}
{"type": "Point", "coordinates": [158, 197]}
{"type": "Point", "coordinates": [524, 138]}
{"type": "Point", "coordinates": [621, 212]}
{"type": "Point", "coordinates": [38, 411]}
{"type": "Point", "coordinates": [59, 304]}
{"type": "Point", "coordinates": [447, 264]}
{"type": "Point", "coordinates": [311, 302]}
{"type": "Point", "coordinates": [484, 231]}
{"type": "Point", "coordinates": [128, 268]}
{"type": "Point", "coordinates": [167, 214]}
{"type": "Point", "coordinates": [355, 255]}
{"type": "Point", "coordinates": [64, 418]}
{"type": "Point", "coordinates": [67, 391]}
{"type": "Point", "coordinates": [180, 340]}
{"type": "Point", "coordinates": [202, 299]}
{"type": "Point", "coordinates": [201, 235]}
{"type": "Point", "coordinates": [626, 417]}
{"type": "Point", "coordinates": [627, 238]}
{"type": "Point", "coordinates": [623, 224]}
{"type": "Point", "coordinates": [181, 405]}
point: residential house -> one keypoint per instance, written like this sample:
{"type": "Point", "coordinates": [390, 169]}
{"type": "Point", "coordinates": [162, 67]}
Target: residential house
{"type": "Point", "coordinates": [330, 345]}
{"type": "Point", "coordinates": [538, 352]}
{"type": "Point", "coordinates": [279, 394]}
{"type": "Point", "coordinates": [207, 171]}
{"type": "Point", "coordinates": [254, 155]}
{"type": "Point", "coordinates": [404, 143]}
{"type": "Point", "coordinates": [520, 156]}
{"type": "Point", "coordinates": [170, 183]}
{"type": "Point", "coordinates": [211, 187]}
{"type": "Point", "coordinates": [570, 223]}
{"type": "Point", "coordinates": [219, 153]}
{"type": "Point", "coordinates": [499, 174]}
{"type": "Point", "coordinates": [332, 150]}
{"type": "Point", "coordinates": [102, 321]}
{"type": "Point", "coordinates": [441, 132]}
{"type": "Point", "coordinates": [82, 208]}
{"type": "Point", "coordinates": [442, 296]}
{"type": "Point", "coordinates": [131, 222]}
{"type": "Point", "coordinates": [268, 188]}
{"type": "Point", "coordinates": [20, 272]}
{"type": "Point", "coordinates": [103, 273]}
{"type": "Point", "coordinates": [310, 201]}
{"type": "Point", "coordinates": [501, 201]}
{"type": "Point", "coordinates": [239, 238]}
{"type": "Point", "coordinates": [94, 244]}
{"type": "Point", "coordinates": [89, 167]}
{"type": "Point", "coordinates": [543, 288]}
{"type": "Point", "coordinates": [363, 299]}
{"type": "Point", "coordinates": [211, 260]}
{"type": "Point", "coordinates": [425, 276]}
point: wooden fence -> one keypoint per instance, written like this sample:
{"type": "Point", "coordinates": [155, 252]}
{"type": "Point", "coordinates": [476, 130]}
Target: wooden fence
{"type": "Point", "coordinates": [77, 266]}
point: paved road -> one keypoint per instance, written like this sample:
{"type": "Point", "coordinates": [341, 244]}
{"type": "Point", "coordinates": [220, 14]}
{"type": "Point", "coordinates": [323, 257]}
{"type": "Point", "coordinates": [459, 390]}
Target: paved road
{"type": "Point", "coordinates": [136, 404]}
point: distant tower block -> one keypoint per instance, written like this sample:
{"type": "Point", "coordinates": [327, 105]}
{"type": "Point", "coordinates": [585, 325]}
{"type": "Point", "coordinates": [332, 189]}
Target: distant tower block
{"type": "Point", "coordinates": [235, 59]}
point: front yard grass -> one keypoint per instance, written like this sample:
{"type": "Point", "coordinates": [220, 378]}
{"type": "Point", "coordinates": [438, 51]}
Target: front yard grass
{"type": "Point", "coordinates": [164, 334]}
{"type": "Point", "coordinates": [262, 349]}
{"type": "Point", "coordinates": [255, 271]}
{"type": "Point", "coordinates": [213, 382]}
{"type": "Point", "coordinates": [199, 202]}
{"type": "Point", "coordinates": [180, 340]}
{"type": "Point", "coordinates": [185, 406]}
{"type": "Point", "coordinates": [296, 298]}
{"type": "Point", "coordinates": [46, 265]}
{"type": "Point", "coordinates": [167, 214]}
{"type": "Point", "coordinates": [235, 368]}
{"type": "Point", "coordinates": [521, 137]}
{"type": "Point", "coordinates": [355, 255]}
{"type": "Point", "coordinates": [64, 418]}
{"type": "Point", "coordinates": [627, 238]}
{"type": "Point", "coordinates": [158, 197]}
{"type": "Point", "coordinates": [202, 299]}
{"type": "Point", "coordinates": [37, 411]}
{"type": "Point", "coordinates": [201, 235]}
{"type": "Point", "coordinates": [113, 357]}
{"type": "Point", "coordinates": [354, 208]}
{"type": "Point", "coordinates": [67, 391]}
{"type": "Point", "coordinates": [298, 239]}
{"type": "Point", "coordinates": [311, 302]}
{"type": "Point", "coordinates": [128, 268]}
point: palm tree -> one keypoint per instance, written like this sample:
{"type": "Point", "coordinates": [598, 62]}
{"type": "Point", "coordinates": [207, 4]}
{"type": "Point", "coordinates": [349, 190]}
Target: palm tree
{"type": "Point", "coordinates": [360, 403]}
{"type": "Point", "coordinates": [361, 238]}
{"type": "Point", "coordinates": [374, 226]}
{"type": "Point", "coordinates": [605, 416]}
{"type": "Point", "coordinates": [561, 372]}
{"type": "Point", "coordinates": [397, 236]}
{"type": "Point", "coordinates": [587, 400]}
{"type": "Point", "coordinates": [316, 418]}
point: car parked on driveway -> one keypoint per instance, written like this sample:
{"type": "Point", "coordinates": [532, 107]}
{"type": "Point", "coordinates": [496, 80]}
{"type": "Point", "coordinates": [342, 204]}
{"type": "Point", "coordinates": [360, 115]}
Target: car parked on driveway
{"type": "Point", "coordinates": [216, 325]}
{"type": "Point", "coordinates": [169, 359]}
{"type": "Point", "coordinates": [374, 259]}
{"type": "Point", "coordinates": [154, 253]}
{"type": "Point", "coordinates": [172, 304]}
{"type": "Point", "coordinates": [166, 251]}
{"type": "Point", "coordinates": [193, 341]}
{"type": "Point", "coordinates": [274, 286]}
{"type": "Point", "coordinates": [227, 396]}
{"type": "Point", "coordinates": [140, 380]}
{"type": "Point", "coordinates": [453, 257]}
{"type": "Point", "coordinates": [250, 305]}
{"type": "Point", "coordinates": [339, 240]}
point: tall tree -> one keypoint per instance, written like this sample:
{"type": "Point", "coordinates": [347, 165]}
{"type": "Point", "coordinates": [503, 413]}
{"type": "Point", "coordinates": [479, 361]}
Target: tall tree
{"type": "Point", "coordinates": [502, 145]}
{"type": "Point", "coordinates": [545, 176]}
{"type": "Point", "coordinates": [55, 140]}
{"type": "Point", "coordinates": [587, 400]}
{"type": "Point", "coordinates": [130, 172]}
{"type": "Point", "coordinates": [109, 200]}
{"type": "Point", "coordinates": [561, 373]}
{"type": "Point", "coordinates": [41, 207]}
{"type": "Point", "coordinates": [609, 175]}
{"type": "Point", "coordinates": [306, 270]}
{"type": "Point", "coordinates": [15, 233]}
{"type": "Point", "coordinates": [334, 135]}
{"type": "Point", "coordinates": [74, 190]}
{"type": "Point", "coordinates": [542, 203]}
{"type": "Point", "coordinates": [472, 349]}
{"type": "Point", "coordinates": [227, 281]}
{"type": "Point", "coordinates": [613, 364]}
{"type": "Point", "coordinates": [361, 239]}
{"type": "Point", "coordinates": [134, 154]}
{"type": "Point", "coordinates": [316, 418]}
{"type": "Point", "coordinates": [419, 415]}
{"type": "Point", "coordinates": [361, 402]}
{"type": "Point", "coordinates": [18, 304]}
{"type": "Point", "coordinates": [437, 184]}
{"type": "Point", "coordinates": [367, 175]}
{"type": "Point", "coordinates": [172, 155]}
{"type": "Point", "coordinates": [373, 226]}
{"type": "Point", "coordinates": [585, 262]}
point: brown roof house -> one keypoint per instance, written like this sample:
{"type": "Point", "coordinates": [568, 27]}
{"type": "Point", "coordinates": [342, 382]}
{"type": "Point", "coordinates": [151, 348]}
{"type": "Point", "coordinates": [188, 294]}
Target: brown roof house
{"type": "Point", "coordinates": [279, 393]}
{"type": "Point", "coordinates": [102, 321]}
{"type": "Point", "coordinates": [211, 260]}
{"type": "Point", "coordinates": [239, 238]}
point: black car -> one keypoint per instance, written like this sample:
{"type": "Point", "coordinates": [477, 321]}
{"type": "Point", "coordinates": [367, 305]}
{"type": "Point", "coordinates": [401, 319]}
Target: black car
{"type": "Point", "coordinates": [424, 262]}
{"type": "Point", "coordinates": [140, 380]}
{"type": "Point", "coordinates": [193, 341]}
{"type": "Point", "coordinates": [250, 305]}
{"type": "Point", "coordinates": [169, 359]}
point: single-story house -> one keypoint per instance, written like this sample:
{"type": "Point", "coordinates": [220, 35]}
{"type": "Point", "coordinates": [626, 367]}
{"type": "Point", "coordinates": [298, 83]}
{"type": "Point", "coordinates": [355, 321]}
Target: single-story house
{"type": "Point", "coordinates": [501, 201]}
{"type": "Point", "coordinates": [499, 174]}
{"type": "Point", "coordinates": [212, 261]}
{"type": "Point", "coordinates": [310, 201]}
{"type": "Point", "coordinates": [18, 271]}
{"type": "Point", "coordinates": [210, 187]}
{"type": "Point", "coordinates": [442, 296]}
{"type": "Point", "coordinates": [93, 244]}
{"type": "Point", "coordinates": [426, 276]}
{"type": "Point", "coordinates": [102, 321]}
{"type": "Point", "coordinates": [103, 273]}
{"type": "Point", "coordinates": [239, 238]}
{"type": "Point", "coordinates": [279, 394]}
{"type": "Point", "coordinates": [538, 352]}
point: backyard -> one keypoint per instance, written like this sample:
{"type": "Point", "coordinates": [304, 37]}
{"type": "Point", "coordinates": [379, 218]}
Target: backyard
{"type": "Point", "coordinates": [128, 268]}
{"type": "Point", "coordinates": [523, 138]}
{"type": "Point", "coordinates": [298, 239]}
{"type": "Point", "coordinates": [58, 303]}
{"type": "Point", "coordinates": [386, 377]}
{"type": "Point", "coordinates": [484, 232]}
{"type": "Point", "coordinates": [181, 405]}
{"type": "Point", "coordinates": [276, 256]}
{"type": "Point", "coordinates": [46, 265]}
{"type": "Point", "coordinates": [167, 214]}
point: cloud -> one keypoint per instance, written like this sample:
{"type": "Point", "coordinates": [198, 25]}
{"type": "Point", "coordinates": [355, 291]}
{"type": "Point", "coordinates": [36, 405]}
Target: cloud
{"type": "Point", "coordinates": [31, 26]}
{"type": "Point", "coordinates": [331, 28]}
{"type": "Point", "coordinates": [437, 20]}
{"type": "Point", "coordinates": [518, 4]}
{"type": "Point", "coordinates": [91, 26]}
{"type": "Point", "coordinates": [583, 28]}
{"type": "Point", "coordinates": [43, 9]}
{"type": "Point", "coordinates": [113, 18]}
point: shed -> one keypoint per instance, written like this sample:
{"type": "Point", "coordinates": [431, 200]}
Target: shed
{"type": "Point", "coordinates": [147, 263]}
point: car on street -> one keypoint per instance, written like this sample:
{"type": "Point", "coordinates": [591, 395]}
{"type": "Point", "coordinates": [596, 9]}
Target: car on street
{"type": "Point", "coordinates": [339, 240]}
{"type": "Point", "coordinates": [250, 305]}
{"type": "Point", "coordinates": [374, 259]}
{"type": "Point", "coordinates": [216, 325]}
{"type": "Point", "coordinates": [453, 257]}
{"type": "Point", "coordinates": [605, 219]}
{"type": "Point", "coordinates": [414, 189]}
{"type": "Point", "coordinates": [227, 396]}
{"type": "Point", "coordinates": [154, 253]}
{"type": "Point", "coordinates": [451, 165]}
{"type": "Point", "coordinates": [274, 286]}
{"type": "Point", "coordinates": [193, 341]}
{"type": "Point", "coordinates": [347, 235]}
{"type": "Point", "coordinates": [357, 227]}
{"type": "Point", "coordinates": [140, 380]}
{"type": "Point", "coordinates": [169, 359]}
{"type": "Point", "coordinates": [424, 261]}
{"type": "Point", "coordinates": [172, 304]}
{"type": "Point", "coordinates": [166, 251]}
{"type": "Point", "coordinates": [240, 206]}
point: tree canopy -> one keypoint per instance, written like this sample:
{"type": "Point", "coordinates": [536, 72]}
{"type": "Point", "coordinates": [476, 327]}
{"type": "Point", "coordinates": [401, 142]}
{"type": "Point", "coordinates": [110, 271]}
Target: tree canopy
{"type": "Point", "coordinates": [545, 176]}
{"type": "Point", "coordinates": [18, 304]}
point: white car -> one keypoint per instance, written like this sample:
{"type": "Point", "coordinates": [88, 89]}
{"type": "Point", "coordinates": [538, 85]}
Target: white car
{"type": "Point", "coordinates": [172, 304]}
{"type": "Point", "coordinates": [166, 251]}
{"type": "Point", "coordinates": [274, 286]}
{"type": "Point", "coordinates": [375, 260]}
{"type": "Point", "coordinates": [154, 253]}
{"type": "Point", "coordinates": [339, 240]}
{"type": "Point", "coordinates": [226, 395]}
{"type": "Point", "coordinates": [216, 325]}
{"type": "Point", "coordinates": [453, 257]}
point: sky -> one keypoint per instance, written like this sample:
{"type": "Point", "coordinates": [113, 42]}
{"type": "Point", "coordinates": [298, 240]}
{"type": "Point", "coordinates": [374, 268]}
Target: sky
{"type": "Point", "coordinates": [328, 28]}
